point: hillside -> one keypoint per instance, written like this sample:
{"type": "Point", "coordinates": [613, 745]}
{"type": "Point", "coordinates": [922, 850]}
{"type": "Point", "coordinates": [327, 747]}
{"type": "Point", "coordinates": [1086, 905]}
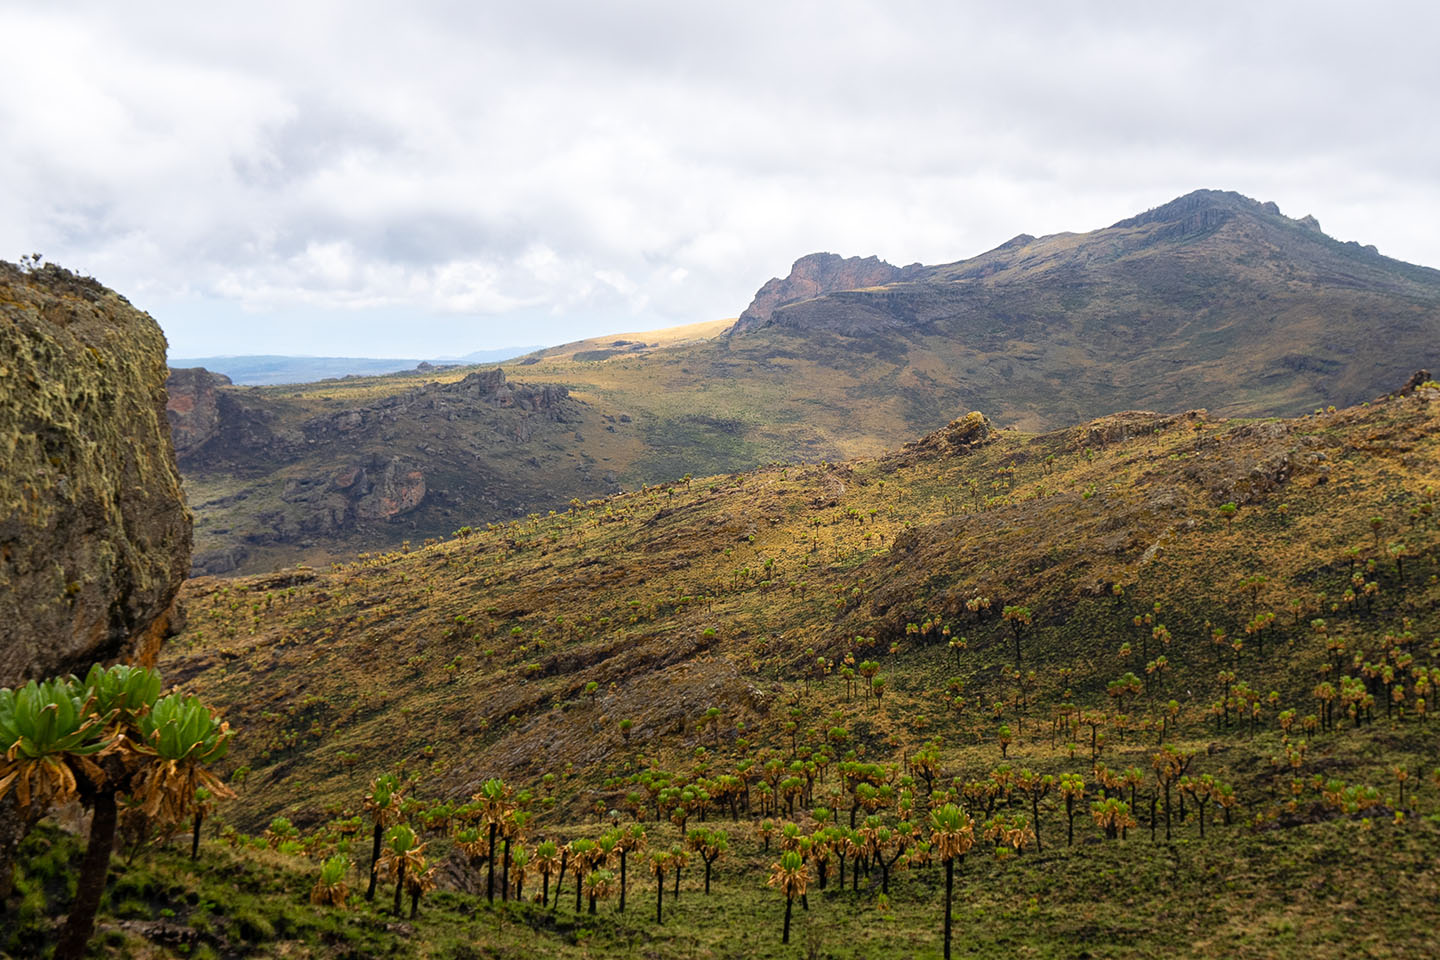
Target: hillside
{"type": "Point", "coordinates": [673, 599]}
{"type": "Point", "coordinates": [1176, 581]}
{"type": "Point", "coordinates": [1211, 300]}
{"type": "Point", "coordinates": [1182, 660]}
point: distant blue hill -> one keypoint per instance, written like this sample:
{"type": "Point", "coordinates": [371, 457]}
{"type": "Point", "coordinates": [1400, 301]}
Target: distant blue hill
{"type": "Point", "coordinates": [270, 369]}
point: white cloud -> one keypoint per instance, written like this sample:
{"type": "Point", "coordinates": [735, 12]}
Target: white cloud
{"type": "Point", "coordinates": [592, 168]}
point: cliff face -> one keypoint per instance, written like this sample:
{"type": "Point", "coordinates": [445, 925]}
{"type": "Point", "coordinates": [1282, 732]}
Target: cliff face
{"type": "Point", "coordinates": [817, 274]}
{"type": "Point", "coordinates": [193, 407]}
{"type": "Point", "coordinates": [94, 532]}
{"type": "Point", "coordinates": [273, 471]}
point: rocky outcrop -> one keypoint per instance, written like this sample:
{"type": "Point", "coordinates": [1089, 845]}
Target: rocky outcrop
{"type": "Point", "coordinates": [193, 407]}
{"type": "Point", "coordinates": [959, 436]}
{"type": "Point", "coordinates": [1120, 427]}
{"type": "Point", "coordinates": [94, 532]}
{"type": "Point", "coordinates": [817, 274]}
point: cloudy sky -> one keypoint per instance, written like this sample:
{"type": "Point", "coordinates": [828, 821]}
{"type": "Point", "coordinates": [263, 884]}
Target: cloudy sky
{"type": "Point", "coordinates": [432, 178]}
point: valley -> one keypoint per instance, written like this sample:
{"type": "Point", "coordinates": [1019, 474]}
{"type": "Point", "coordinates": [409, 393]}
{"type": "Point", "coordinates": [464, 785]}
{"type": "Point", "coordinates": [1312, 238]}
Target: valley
{"type": "Point", "coordinates": [1211, 301]}
{"type": "Point", "coordinates": [1230, 613]}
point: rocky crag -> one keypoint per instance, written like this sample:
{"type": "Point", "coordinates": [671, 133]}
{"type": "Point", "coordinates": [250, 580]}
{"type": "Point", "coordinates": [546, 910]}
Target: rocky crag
{"type": "Point", "coordinates": [817, 274]}
{"type": "Point", "coordinates": [94, 532]}
{"type": "Point", "coordinates": [419, 462]}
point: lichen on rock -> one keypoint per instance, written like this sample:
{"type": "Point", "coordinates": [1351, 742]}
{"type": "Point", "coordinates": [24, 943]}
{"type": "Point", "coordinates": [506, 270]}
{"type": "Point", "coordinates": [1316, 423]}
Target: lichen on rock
{"type": "Point", "coordinates": [94, 532]}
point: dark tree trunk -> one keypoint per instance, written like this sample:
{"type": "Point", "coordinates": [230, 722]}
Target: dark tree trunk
{"type": "Point", "coordinates": [195, 835]}
{"type": "Point", "coordinates": [949, 894]}
{"type": "Point", "coordinates": [374, 862]}
{"type": "Point", "coordinates": [414, 903]}
{"type": "Point", "coordinates": [399, 887]}
{"type": "Point", "coordinates": [505, 873]}
{"type": "Point", "coordinates": [490, 881]}
{"type": "Point", "coordinates": [560, 879]}
{"type": "Point", "coordinates": [93, 871]}
{"type": "Point", "coordinates": [1035, 810]}
{"type": "Point", "coordinates": [789, 903]}
{"type": "Point", "coordinates": [545, 890]}
{"type": "Point", "coordinates": [579, 883]}
{"type": "Point", "coordinates": [623, 852]}
{"type": "Point", "coordinates": [676, 895]}
{"type": "Point", "coordinates": [659, 896]}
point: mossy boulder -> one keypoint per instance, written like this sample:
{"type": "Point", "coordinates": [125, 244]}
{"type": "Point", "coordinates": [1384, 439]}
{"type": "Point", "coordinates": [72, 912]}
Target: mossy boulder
{"type": "Point", "coordinates": [94, 531]}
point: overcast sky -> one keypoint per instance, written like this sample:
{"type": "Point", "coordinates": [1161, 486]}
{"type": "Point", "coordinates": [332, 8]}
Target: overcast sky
{"type": "Point", "coordinates": [426, 179]}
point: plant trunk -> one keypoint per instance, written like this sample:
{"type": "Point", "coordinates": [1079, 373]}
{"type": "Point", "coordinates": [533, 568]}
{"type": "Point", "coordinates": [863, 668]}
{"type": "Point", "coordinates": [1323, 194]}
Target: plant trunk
{"type": "Point", "coordinates": [949, 893]}
{"type": "Point", "coordinates": [545, 891]}
{"type": "Point", "coordinates": [789, 903]}
{"type": "Point", "coordinates": [560, 879]}
{"type": "Point", "coordinates": [195, 835]}
{"type": "Point", "coordinates": [374, 862]}
{"type": "Point", "coordinates": [505, 873]}
{"type": "Point", "coordinates": [93, 871]}
{"type": "Point", "coordinates": [659, 897]}
{"type": "Point", "coordinates": [623, 852]}
{"type": "Point", "coordinates": [707, 878]}
{"type": "Point", "coordinates": [414, 903]}
{"type": "Point", "coordinates": [676, 895]}
{"type": "Point", "coordinates": [490, 881]}
{"type": "Point", "coordinates": [399, 887]}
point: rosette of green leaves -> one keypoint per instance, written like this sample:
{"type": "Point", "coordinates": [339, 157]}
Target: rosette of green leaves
{"type": "Point", "coordinates": [120, 692]}
{"type": "Point", "coordinates": [180, 727]}
{"type": "Point", "coordinates": [44, 729]}
{"type": "Point", "coordinates": [46, 720]}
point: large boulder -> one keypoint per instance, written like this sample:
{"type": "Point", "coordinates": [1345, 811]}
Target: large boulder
{"type": "Point", "coordinates": [94, 531]}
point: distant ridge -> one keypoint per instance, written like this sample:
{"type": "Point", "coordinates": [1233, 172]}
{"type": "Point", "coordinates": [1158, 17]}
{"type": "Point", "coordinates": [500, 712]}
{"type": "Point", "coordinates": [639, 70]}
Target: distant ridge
{"type": "Point", "coordinates": [272, 369]}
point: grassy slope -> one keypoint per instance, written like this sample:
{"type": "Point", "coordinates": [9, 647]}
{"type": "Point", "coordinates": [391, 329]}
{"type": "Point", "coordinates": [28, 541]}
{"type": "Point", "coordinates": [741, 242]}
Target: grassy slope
{"type": "Point", "coordinates": [317, 666]}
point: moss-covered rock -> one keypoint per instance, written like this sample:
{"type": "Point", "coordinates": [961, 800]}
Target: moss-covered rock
{"type": "Point", "coordinates": [94, 531]}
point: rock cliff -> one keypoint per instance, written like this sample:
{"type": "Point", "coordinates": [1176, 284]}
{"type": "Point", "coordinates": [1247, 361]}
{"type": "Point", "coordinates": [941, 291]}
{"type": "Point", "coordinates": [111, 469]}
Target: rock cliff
{"type": "Point", "coordinates": [273, 470]}
{"type": "Point", "coordinates": [817, 274]}
{"type": "Point", "coordinates": [94, 532]}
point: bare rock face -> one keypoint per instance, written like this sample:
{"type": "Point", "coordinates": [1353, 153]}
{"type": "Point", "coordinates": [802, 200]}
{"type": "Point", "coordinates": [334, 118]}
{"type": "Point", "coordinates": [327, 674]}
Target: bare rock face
{"type": "Point", "coordinates": [94, 532]}
{"type": "Point", "coordinates": [959, 436]}
{"type": "Point", "coordinates": [816, 274]}
{"type": "Point", "coordinates": [193, 407]}
{"type": "Point", "coordinates": [399, 489]}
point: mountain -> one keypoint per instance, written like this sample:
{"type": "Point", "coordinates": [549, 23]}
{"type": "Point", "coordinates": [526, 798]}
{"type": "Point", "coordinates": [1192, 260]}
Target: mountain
{"type": "Point", "coordinates": [707, 594]}
{"type": "Point", "coordinates": [343, 465]}
{"type": "Point", "coordinates": [1182, 651]}
{"type": "Point", "coordinates": [1212, 300]}
{"type": "Point", "coordinates": [272, 369]}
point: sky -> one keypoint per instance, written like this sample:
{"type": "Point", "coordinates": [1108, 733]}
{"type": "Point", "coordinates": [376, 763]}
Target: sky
{"type": "Point", "coordinates": [431, 178]}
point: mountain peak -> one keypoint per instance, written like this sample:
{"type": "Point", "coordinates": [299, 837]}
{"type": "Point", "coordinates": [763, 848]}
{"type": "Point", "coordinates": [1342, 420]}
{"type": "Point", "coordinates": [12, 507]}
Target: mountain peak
{"type": "Point", "coordinates": [815, 274]}
{"type": "Point", "coordinates": [1212, 206]}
